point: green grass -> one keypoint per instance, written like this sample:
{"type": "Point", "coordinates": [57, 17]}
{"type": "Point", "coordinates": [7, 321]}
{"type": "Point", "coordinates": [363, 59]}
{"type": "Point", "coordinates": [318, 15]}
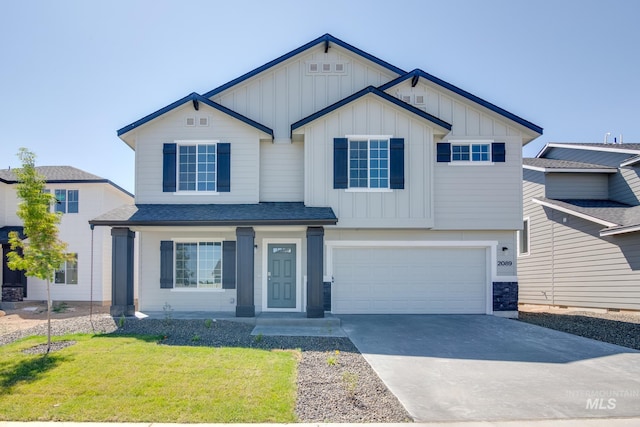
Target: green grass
{"type": "Point", "coordinates": [133, 379]}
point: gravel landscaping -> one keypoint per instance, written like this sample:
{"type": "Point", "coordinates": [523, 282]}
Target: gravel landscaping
{"type": "Point", "coordinates": [615, 328]}
{"type": "Point", "coordinates": [335, 383]}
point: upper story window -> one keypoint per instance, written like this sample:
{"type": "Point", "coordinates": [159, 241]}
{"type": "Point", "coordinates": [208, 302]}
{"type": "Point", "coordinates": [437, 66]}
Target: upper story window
{"type": "Point", "coordinates": [368, 162]}
{"type": "Point", "coordinates": [197, 167]}
{"type": "Point", "coordinates": [67, 201]}
{"type": "Point", "coordinates": [470, 152]}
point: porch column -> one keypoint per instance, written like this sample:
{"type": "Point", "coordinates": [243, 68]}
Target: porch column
{"type": "Point", "coordinates": [245, 237]}
{"type": "Point", "coordinates": [122, 272]}
{"type": "Point", "coordinates": [315, 262]}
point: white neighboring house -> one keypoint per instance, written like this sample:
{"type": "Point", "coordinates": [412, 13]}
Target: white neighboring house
{"type": "Point", "coordinates": [81, 196]}
{"type": "Point", "coordinates": [324, 180]}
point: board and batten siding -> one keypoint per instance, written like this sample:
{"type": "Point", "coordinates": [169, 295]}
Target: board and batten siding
{"type": "Point", "coordinates": [288, 92]}
{"type": "Point", "coordinates": [480, 196]}
{"type": "Point", "coordinates": [281, 172]}
{"type": "Point", "coordinates": [577, 186]}
{"type": "Point", "coordinates": [535, 270]}
{"type": "Point", "coordinates": [410, 207]}
{"type": "Point", "coordinates": [466, 120]}
{"type": "Point", "coordinates": [245, 152]}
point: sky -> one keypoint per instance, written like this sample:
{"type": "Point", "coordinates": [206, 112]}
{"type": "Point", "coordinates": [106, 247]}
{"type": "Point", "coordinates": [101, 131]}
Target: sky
{"type": "Point", "coordinates": [74, 72]}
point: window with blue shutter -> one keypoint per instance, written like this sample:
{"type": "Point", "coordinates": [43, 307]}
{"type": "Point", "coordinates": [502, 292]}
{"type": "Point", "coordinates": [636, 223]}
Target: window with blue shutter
{"type": "Point", "coordinates": [197, 167]}
{"type": "Point", "coordinates": [498, 152]}
{"type": "Point", "coordinates": [169, 167]}
{"type": "Point", "coordinates": [166, 264]}
{"type": "Point", "coordinates": [340, 162]}
{"type": "Point", "coordinates": [396, 158]}
{"type": "Point", "coordinates": [443, 152]}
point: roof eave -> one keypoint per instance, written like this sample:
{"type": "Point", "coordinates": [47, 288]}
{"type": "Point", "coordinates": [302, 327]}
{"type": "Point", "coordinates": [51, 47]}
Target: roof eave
{"type": "Point", "coordinates": [616, 148]}
{"type": "Point", "coordinates": [575, 213]}
{"type": "Point", "coordinates": [567, 170]}
{"type": "Point", "coordinates": [446, 127]}
{"type": "Point", "coordinates": [534, 130]}
{"type": "Point", "coordinates": [614, 231]}
{"type": "Point", "coordinates": [239, 223]}
{"type": "Point", "coordinates": [326, 38]}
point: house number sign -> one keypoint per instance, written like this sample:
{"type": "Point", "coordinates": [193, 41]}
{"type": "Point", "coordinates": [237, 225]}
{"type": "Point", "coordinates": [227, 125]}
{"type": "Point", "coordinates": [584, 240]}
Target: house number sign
{"type": "Point", "coordinates": [505, 263]}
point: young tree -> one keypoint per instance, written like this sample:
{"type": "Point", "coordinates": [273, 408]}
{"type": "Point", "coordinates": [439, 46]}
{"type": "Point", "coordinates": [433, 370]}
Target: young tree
{"type": "Point", "coordinates": [42, 252]}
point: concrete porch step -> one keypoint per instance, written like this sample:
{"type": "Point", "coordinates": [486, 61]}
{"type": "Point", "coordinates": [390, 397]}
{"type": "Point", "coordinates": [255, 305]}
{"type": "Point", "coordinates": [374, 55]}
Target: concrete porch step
{"type": "Point", "coordinates": [296, 319]}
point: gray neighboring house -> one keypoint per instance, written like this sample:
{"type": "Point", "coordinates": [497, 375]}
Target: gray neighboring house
{"type": "Point", "coordinates": [580, 243]}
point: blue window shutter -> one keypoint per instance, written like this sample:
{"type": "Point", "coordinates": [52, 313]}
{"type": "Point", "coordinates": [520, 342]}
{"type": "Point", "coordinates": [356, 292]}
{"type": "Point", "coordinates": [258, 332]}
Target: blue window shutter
{"type": "Point", "coordinates": [228, 265]}
{"type": "Point", "coordinates": [340, 158]}
{"type": "Point", "coordinates": [396, 157]}
{"type": "Point", "coordinates": [498, 152]}
{"type": "Point", "coordinates": [169, 168]}
{"type": "Point", "coordinates": [444, 152]}
{"type": "Point", "coordinates": [166, 264]}
{"type": "Point", "coordinates": [224, 167]}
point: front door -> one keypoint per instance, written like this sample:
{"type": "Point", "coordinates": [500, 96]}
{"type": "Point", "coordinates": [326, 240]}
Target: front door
{"type": "Point", "coordinates": [281, 275]}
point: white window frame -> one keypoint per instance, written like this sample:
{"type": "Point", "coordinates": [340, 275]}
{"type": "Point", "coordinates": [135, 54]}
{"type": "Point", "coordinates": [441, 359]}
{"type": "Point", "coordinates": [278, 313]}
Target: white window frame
{"type": "Point", "coordinates": [526, 225]}
{"type": "Point", "coordinates": [470, 144]}
{"type": "Point", "coordinates": [195, 142]}
{"type": "Point", "coordinates": [65, 268]}
{"type": "Point", "coordinates": [176, 287]}
{"type": "Point", "coordinates": [369, 189]}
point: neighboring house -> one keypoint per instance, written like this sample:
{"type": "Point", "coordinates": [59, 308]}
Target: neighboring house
{"type": "Point", "coordinates": [580, 246]}
{"type": "Point", "coordinates": [324, 170]}
{"type": "Point", "coordinates": [81, 196]}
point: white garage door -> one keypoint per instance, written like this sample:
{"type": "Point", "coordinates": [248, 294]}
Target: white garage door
{"type": "Point", "coordinates": [409, 280]}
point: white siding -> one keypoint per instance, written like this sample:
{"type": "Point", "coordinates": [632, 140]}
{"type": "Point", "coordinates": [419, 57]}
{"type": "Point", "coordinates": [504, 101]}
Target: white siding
{"type": "Point", "coordinates": [577, 186]}
{"type": "Point", "coordinates": [480, 196]}
{"type": "Point", "coordinates": [281, 172]}
{"type": "Point", "coordinates": [407, 208]}
{"type": "Point", "coordinates": [245, 151]}
{"type": "Point", "coordinates": [287, 92]}
{"type": "Point", "coordinates": [3, 205]}
{"type": "Point", "coordinates": [94, 200]}
{"type": "Point", "coordinates": [467, 119]}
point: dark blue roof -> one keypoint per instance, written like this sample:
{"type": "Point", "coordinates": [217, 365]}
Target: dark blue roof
{"type": "Point", "coordinates": [465, 94]}
{"type": "Point", "coordinates": [4, 233]}
{"type": "Point", "coordinates": [281, 213]}
{"type": "Point", "coordinates": [375, 91]}
{"type": "Point", "coordinates": [199, 98]}
{"type": "Point", "coordinates": [327, 38]}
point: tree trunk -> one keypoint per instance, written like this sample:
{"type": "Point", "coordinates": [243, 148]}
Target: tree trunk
{"type": "Point", "coordinates": [49, 308]}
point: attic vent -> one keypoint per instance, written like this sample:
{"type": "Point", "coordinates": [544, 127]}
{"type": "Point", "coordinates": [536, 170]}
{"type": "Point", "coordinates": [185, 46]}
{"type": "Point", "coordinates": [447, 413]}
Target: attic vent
{"type": "Point", "coordinates": [190, 121]}
{"type": "Point", "coordinates": [313, 67]}
{"type": "Point", "coordinates": [203, 121]}
{"type": "Point", "coordinates": [329, 67]}
{"type": "Point", "coordinates": [406, 98]}
{"type": "Point", "coordinates": [419, 99]}
{"type": "Point", "coordinates": [326, 68]}
{"type": "Point", "coordinates": [339, 67]}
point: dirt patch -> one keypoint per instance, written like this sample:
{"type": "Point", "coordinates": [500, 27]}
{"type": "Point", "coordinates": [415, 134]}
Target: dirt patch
{"type": "Point", "coordinates": [33, 314]}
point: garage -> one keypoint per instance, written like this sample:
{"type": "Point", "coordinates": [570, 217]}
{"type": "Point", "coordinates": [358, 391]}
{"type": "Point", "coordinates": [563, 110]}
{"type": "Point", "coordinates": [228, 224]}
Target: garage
{"type": "Point", "coordinates": [409, 280]}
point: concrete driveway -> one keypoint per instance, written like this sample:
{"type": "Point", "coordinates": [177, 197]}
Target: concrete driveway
{"type": "Point", "coordinates": [485, 368]}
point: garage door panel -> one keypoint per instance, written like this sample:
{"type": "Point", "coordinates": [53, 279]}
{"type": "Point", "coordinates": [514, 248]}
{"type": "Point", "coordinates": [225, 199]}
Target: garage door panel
{"type": "Point", "coordinates": [409, 280]}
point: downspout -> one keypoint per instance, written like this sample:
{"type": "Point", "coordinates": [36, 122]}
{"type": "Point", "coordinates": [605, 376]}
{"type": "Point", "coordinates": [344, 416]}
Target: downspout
{"type": "Point", "coordinates": [91, 283]}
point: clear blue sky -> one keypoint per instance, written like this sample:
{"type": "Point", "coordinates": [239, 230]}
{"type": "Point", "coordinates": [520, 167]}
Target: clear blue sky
{"type": "Point", "coordinates": [73, 72]}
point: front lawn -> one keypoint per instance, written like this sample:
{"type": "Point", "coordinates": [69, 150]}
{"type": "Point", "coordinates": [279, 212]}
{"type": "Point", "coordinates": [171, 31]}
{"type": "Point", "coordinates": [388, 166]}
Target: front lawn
{"type": "Point", "coordinates": [134, 379]}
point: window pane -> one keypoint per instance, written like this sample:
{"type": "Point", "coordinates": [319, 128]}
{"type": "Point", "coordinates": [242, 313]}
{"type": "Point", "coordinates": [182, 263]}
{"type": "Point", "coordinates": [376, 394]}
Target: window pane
{"type": "Point", "coordinates": [206, 167]}
{"type": "Point", "coordinates": [72, 202]}
{"type": "Point", "coordinates": [186, 264]}
{"type": "Point", "coordinates": [378, 165]}
{"type": "Point", "coordinates": [61, 205]}
{"type": "Point", "coordinates": [460, 153]}
{"type": "Point", "coordinates": [72, 271]}
{"type": "Point", "coordinates": [59, 275]}
{"type": "Point", "coordinates": [358, 164]}
{"type": "Point", "coordinates": [187, 168]}
{"type": "Point", "coordinates": [480, 152]}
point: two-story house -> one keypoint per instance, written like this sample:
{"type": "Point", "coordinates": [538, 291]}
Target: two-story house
{"type": "Point", "coordinates": [80, 196]}
{"type": "Point", "coordinates": [326, 168]}
{"type": "Point", "coordinates": [580, 245]}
